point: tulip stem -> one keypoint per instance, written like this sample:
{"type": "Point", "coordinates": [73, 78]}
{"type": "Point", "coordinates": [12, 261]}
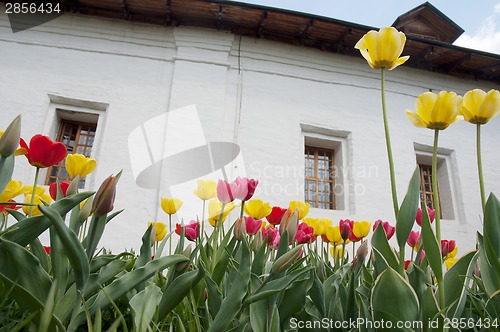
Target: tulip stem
{"type": "Point", "coordinates": [480, 166]}
{"type": "Point", "coordinates": [435, 191]}
{"type": "Point", "coordinates": [202, 234]}
{"type": "Point", "coordinates": [389, 148]}
{"type": "Point", "coordinates": [169, 229]}
{"type": "Point", "coordinates": [33, 192]}
{"type": "Point", "coordinates": [441, 297]}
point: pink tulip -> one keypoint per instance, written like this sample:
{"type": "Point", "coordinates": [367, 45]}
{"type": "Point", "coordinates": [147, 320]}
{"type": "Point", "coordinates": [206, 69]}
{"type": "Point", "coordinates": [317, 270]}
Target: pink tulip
{"type": "Point", "coordinates": [305, 234]}
{"type": "Point", "coordinates": [389, 230]}
{"type": "Point", "coordinates": [413, 239]}
{"type": "Point", "coordinates": [225, 191]}
{"type": "Point", "coordinates": [190, 230]}
{"type": "Point", "coordinates": [273, 236]}
{"type": "Point", "coordinates": [430, 212]}
{"type": "Point", "coordinates": [252, 226]}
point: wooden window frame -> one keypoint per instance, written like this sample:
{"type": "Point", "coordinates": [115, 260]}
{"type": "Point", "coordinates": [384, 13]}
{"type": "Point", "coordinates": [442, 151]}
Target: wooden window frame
{"type": "Point", "coordinates": [330, 203]}
{"type": "Point", "coordinates": [426, 181]}
{"type": "Point", "coordinates": [54, 172]}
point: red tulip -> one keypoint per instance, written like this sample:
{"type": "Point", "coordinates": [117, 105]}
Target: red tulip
{"type": "Point", "coordinates": [53, 189]}
{"type": "Point", "coordinates": [190, 230]}
{"type": "Point", "coordinates": [274, 218]}
{"type": "Point", "coordinates": [407, 262]}
{"type": "Point", "coordinates": [447, 246]}
{"type": "Point", "coordinates": [47, 249]}
{"type": "Point", "coordinates": [430, 212]}
{"type": "Point", "coordinates": [305, 234]}
{"type": "Point", "coordinates": [413, 239]}
{"type": "Point", "coordinates": [346, 229]}
{"type": "Point", "coordinates": [389, 230]}
{"type": "Point", "coordinates": [252, 226]}
{"type": "Point", "coordinates": [42, 152]}
{"type": "Point", "coordinates": [8, 206]}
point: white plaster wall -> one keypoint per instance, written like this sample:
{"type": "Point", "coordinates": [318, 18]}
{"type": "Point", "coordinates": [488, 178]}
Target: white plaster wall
{"type": "Point", "coordinates": [254, 93]}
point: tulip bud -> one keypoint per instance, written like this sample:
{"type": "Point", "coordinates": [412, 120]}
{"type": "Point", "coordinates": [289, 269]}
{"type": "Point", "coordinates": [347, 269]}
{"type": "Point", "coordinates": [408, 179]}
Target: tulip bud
{"type": "Point", "coordinates": [287, 259]}
{"type": "Point", "coordinates": [105, 197]}
{"type": "Point", "coordinates": [239, 229]}
{"type": "Point", "coordinates": [186, 253]}
{"type": "Point", "coordinates": [362, 251]}
{"type": "Point", "coordinates": [85, 210]}
{"type": "Point", "coordinates": [290, 223]}
{"type": "Point", "coordinates": [477, 271]}
{"type": "Point", "coordinates": [10, 138]}
{"type": "Point", "coordinates": [73, 186]}
{"type": "Point", "coordinates": [257, 241]}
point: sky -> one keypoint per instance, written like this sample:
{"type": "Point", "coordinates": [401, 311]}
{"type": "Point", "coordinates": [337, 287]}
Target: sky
{"type": "Point", "coordinates": [479, 18]}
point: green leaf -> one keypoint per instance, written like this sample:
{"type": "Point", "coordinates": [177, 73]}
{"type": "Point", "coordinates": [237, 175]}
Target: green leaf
{"type": "Point", "coordinates": [178, 290]}
{"type": "Point", "coordinates": [232, 303]}
{"type": "Point", "coordinates": [401, 305]}
{"type": "Point", "coordinates": [294, 297]}
{"type": "Point", "coordinates": [214, 296]}
{"type": "Point", "coordinates": [143, 306]}
{"type": "Point", "coordinates": [27, 230]}
{"type": "Point", "coordinates": [259, 261]}
{"type": "Point", "coordinates": [456, 280]}
{"type": "Point", "coordinates": [381, 244]}
{"type": "Point", "coordinates": [408, 210]}
{"type": "Point", "coordinates": [258, 315]}
{"type": "Point", "coordinates": [317, 295]}
{"type": "Point", "coordinates": [22, 272]}
{"type": "Point", "coordinates": [430, 312]}
{"type": "Point", "coordinates": [432, 247]}
{"type": "Point", "coordinates": [492, 222]}
{"type": "Point", "coordinates": [122, 285]}
{"type": "Point", "coordinates": [72, 246]}
{"type": "Point", "coordinates": [6, 170]}
{"type": "Point", "coordinates": [276, 286]}
{"type": "Point", "coordinates": [488, 265]}
{"type": "Point", "coordinates": [145, 251]}
{"type": "Point", "coordinates": [96, 229]}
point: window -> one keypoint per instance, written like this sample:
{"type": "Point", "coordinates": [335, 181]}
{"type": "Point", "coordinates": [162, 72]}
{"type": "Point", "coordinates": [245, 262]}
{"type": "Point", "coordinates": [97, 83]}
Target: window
{"type": "Point", "coordinates": [319, 177]}
{"type": "Point", "coordinates": [78, 138]}
{"type": "Point", "coordinates": [328, 178]}
{"type": "Point", "coordinates": [426, 191]}
{"type": "Point", "coordinates": [448, 185]}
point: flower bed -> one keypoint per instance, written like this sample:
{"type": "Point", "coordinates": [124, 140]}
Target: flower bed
{"type": "Point", "coordinates": [274, 269]}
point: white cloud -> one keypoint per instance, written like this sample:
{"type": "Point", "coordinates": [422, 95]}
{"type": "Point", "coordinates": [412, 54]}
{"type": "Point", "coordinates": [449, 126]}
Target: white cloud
{"type": "Point", "coordinates": [487, 37]}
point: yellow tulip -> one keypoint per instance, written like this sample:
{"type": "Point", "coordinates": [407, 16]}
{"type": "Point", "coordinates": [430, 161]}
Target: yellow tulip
{"type": "Point", "coordinates": [170, 205]}
{"type": "Point", "coordinates": [301, 206]}
{"type": "Point", "coordinates": [333, 235]}
{"type": "Point", "coordinates": [361, 229]}
{"type": "Point", "coordinates": [320, 225]}
{"type": "Point", "coordinates": [257, 209]}
{"type": "Point", "coordinates": [337, 252]}
{"type": "Point", "coordinates": [479, 107]}
{"type": "Point", "coordinates": [215, 210]}
{"type": "Point", "coordinates": [13, 189]}
{"type": "Point", "coordinates": [28, 190]}
{"type": "Point", "coordinates": [436, 111]}
{"type": "Point", "coordinates": [450, 262]}
{"type": "Point", "coordinates": [381, 49]}
{"type": "Point", "coordinates": [452, 253]}
{"type": "Point", "coordinates": [160, 230]}
{"type": "Point", "coordinates": [206, 189]}
{"type": "Point", "coordinates": [37, 201]}
{"type": "Point", "coordinates": [78, 164]}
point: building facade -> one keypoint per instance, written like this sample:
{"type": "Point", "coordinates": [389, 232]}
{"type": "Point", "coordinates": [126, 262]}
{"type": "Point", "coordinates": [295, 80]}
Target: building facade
{"type": "Point", "coordinates": [171, 103]}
